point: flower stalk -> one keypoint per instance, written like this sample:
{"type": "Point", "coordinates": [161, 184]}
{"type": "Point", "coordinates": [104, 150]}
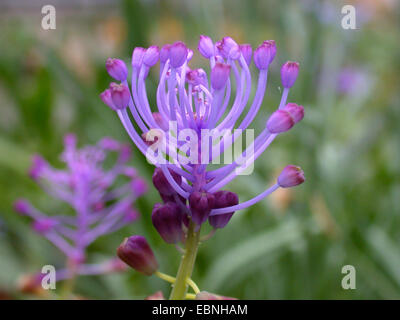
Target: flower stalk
{"type": "Point", "coordinates": [186, 266]}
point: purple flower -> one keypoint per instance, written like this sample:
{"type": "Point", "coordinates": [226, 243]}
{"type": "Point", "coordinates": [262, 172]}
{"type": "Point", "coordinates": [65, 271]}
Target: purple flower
{"type": "Point", "coordinates": [187, 100]}
{"type": "Point", "coordinates": [291, 176]}
{"type": "Point", "coordinates": [116, 68]}
{"type": "Point", "coordinates": [87, 187]}
{"type": "Point", "coordinates": [136, 253]}
{"type": "Point", "coordinates": [167, 219]}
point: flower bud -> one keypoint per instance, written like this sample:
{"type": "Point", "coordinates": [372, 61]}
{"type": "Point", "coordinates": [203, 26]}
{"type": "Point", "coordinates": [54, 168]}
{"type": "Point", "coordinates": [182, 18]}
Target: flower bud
{"type": "Point", "coordinates": [229, 48]}
{"type": "Point", "coordinates": [131, 215]}
{"type": "Point", "coordinates": [139, 187]}
{"type": "Point", "coordinates": [167, 219]}
{"type": "Point", "coordinates": [43, 225]}
{"type": "Point", "coordinates": [117, 69]}
{"type": "Point", "coordinates": [178, 53]}
{"type": "Point", "coordinates": [291, 176]}
{"type": "Point", "coordinates": [206, 47]}
{"type": "Point", "coordinates": [151, 56]}
{"type": "Point", "coordinates": [201, 204]}
{"type": "Point", "coordinates": [265, 54]}
{"type": "Point", "coordinates": [137, 57]}
{"type": "Point", "coordinates": [280, 121]}
{"type": "Point", "coordinates": [120, 95]}
{"type": "Point", "coordinates": [164, 53]}
{"type": "Point", "coordinates": [105, 96]}
{"type": "Point", "coordinates": [246, 51]}
{"type": "Point", "coordinates": [289, 72]}
{"type": "Point", "coordinates": [296, 111]}
{"type": "Point", "coordinates": [220, 75]}
{"type": "Point", "coordinates": [38, 164]}
{"type": "Point", "coordinates": [22, 206]}
{"type": "Point", "coordinates": [161, 183]}
{"type": "Point", "coordinates": [223, 199]}
{"type": "Point", "coordinates": [136, 253]}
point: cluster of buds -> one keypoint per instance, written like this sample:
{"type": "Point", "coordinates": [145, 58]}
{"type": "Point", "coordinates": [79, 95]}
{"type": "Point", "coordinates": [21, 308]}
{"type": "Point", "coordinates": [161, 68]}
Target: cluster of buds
{"type": "Point", "coordinates": [88, 186]}
{"type": "Point", "coordinates": [189, 99]}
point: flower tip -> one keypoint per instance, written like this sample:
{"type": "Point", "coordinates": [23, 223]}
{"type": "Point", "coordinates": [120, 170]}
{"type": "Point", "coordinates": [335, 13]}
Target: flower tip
{"type": "Point", "coordinates": [223, 199]}
{"type": "Point", "coordinates": [105, 96]}
{"type": "Point", "coordinates": [296, 111]}
{"type": "Point", "coordinates": [117, 69]}
{"type": "Point", "coordinates": [206, 46]}
{"type": "Point", "coordinates": [291, 176]}
{"type": "Point", "coordinates": [280, 121]}
{"type": "Point", "coordinates": [139, 187]}
{"type": "Point", "coordinates": [219, 75]}
{"type": "Point", "coordinates": [164, 53]}
{"type": "Point", "coordinates": [265, 54]}
{"type": "Point", "coordinates": [151, 56]}
{"type": "Point", "coordinates": [246, 51]}
{"type": "Point", "coordinates": [43, 225]}
{"type": "Point", "coordinates": [120, 95]}
{"type": "Point", "coordinates": [137, 57]}
{"type": "Point", "coordinates": [289, 73]}
{"type": "Point", "coordinates": [178, 53]}
{"type": "Point", "coordinates": [38, 164]}
{"type": "Point", "coordinates": [137, 253]}
{"type": "Point", "coordinates": [167, 219]}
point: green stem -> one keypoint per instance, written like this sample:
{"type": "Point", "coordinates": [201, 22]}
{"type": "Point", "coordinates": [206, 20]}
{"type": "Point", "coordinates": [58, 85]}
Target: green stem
{"type": "Point", "coordinates": [187, 264]}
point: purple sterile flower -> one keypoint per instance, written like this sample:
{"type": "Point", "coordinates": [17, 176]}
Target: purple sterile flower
{"type": "Point", "coordinates": [136, 253]}
{"type": "Point", "coordinates": [265, 54]}
{"type": "Point", "coordinates": [291, 176]}
{"type": "Point", "coordinates": [117, 69]}
{"type": "Point", "coordinates": [188, 101]}
{"type": "Point", "coordinates": [206, 47]}
{"type": "Point", "coordinates": [223, 199]}
{"type": "Point", "coordinates": [280, 121]}
{"type": "Point", "coordinates": [178, 54]}
{"type": "Point", "coordinates": [120, 95]}
{"type": "Point", "coordinates": [89, 187]}
{"type": "Point", "coordinates": [167, 219]}
{"type": "Point", "coordinates": [289, 72]}
{"type": "Point", "coordinates": [296, 111]}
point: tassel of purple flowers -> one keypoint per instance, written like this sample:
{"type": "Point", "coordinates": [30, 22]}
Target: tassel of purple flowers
{"type": "Point", "coordinates": [88, 186]}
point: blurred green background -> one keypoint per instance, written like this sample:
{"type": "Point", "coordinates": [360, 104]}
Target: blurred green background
{"type": "Point", "coordinates": [292, 245]}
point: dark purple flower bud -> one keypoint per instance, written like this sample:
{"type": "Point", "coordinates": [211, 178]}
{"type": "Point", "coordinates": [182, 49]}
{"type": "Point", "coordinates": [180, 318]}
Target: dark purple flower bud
{"type": "Point", "coordinates": [223, 199]}
{"type": "Point", "coordinates": [151, 56]}
{"type": "Point", "coordinates": [201, 204]}
{"type": "Point", "coordinates": [137, 57]}
{"type": "Point", "coordinates": [43, 225]}
{"type": "Point", "coordinates": [164, 53]}
{"type": "Point", "coordinates": [22, 206]}
{"type": "Point", "coordinates": [139, 187]}
{"type": "Point", "coordinates": [38, 164]}
{"type": "Point", "coordinates": [105, 96]}
{"type": "Point", "coordinates": [161, 183]}
{"type": "Point", "coordinates": [120, 95]}
{"type": "Point", "coordinates": [291, 176]}
{"type": "Point", "coordinates": [229, 48]}
{"type": "Point", "coordinates": [178, 53]}
{"type": "Point", "coordinates": [296, 111]}
{"type": "Point", "coordinates": [206, 47]}
{"type": "Point", "coordinates": [219, 75]}
{"type": "Point", "coordinates": [265, 54]}
{"type": "Point", "coordinates": [117, 69]}
{"type": "Point", "coordinates": [136, 253]}
{"type": "Point", "coordinates": [289, 72]}
{"type": "Point", "coordinates": [246, 51]}
{"type": "Point", "coordinates": [167, 219]}
{"type": "Point", "coordinates": [280, 121]}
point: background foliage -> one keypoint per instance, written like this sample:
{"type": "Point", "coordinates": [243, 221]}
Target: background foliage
{"type": "Point", "coordinates": [292, 245]}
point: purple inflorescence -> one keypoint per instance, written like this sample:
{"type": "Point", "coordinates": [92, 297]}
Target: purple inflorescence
{"type": "Point", "coordinates": [189, 99]}
{"type": "Point", "coordinates": [88, 186]}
